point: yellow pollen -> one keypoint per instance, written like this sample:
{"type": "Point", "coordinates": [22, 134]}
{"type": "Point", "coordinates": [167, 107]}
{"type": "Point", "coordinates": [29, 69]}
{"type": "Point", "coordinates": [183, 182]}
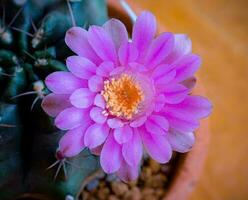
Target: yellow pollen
{"type": "Point", "coordinates": [123, 96]}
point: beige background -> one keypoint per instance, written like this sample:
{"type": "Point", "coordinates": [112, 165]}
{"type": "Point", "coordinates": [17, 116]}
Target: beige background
{"type": "Point", "coordinates": [219, 30]}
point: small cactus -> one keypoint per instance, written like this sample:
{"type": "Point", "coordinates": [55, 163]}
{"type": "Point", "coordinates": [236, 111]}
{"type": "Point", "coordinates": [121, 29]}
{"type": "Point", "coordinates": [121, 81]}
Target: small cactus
{"type": "Point", "coordinates": [31, 47]}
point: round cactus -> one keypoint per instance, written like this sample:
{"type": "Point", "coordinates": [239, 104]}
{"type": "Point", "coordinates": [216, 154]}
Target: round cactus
{"type": "Point", "coordinates": [32, 46]}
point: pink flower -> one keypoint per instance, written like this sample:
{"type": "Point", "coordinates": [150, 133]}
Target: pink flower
{"type": "Point", "coordinates": [120, 95]}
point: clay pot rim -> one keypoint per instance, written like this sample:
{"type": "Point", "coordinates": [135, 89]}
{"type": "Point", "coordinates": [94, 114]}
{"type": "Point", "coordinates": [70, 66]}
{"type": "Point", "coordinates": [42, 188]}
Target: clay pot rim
{"type": "Point", "coordinates": [191, 163]}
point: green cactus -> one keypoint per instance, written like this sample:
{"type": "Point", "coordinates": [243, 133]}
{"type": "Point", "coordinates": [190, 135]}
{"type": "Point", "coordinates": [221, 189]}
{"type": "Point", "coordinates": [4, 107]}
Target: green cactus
{"type": "Point", "coordinates": [32, 46]}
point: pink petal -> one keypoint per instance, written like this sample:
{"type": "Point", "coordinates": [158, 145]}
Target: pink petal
{"type": "Point", "coordinates": [187, 66]}
{"type": "Point", "coordinates": [157, 147]}
{"type": "Point", "coordinates": [102, 44]}
{"type": "Point", "coordinates": [181, 123]}
{"type": "Point", "coordinates": [159, 102]}
{"type": "Point", "coordinates": [72, 143]}
{"type": "Point", "coordinates": [182, 46]}
{"type": "Point", "coordinates": [189, 83]}
{"type": "Point", "coordinates": [63, 82]}
{"type": "Point", "coordinates": [96, 135]}
{"type": "Point", "coordinates": [175, 93]}
{"type": "Point", "coordinates": [159, 49]}
{"type": "Point", "coordinates": [128, 173]}
{"type": "Point", "coordinates": [154, 128]}
{"type": "Point", "coordinates": [76, 40]}
{"type": "Point", "coordinates": [81, 67]}
{"type": "Point", "coordinates": [127, 53]}
{"type": "Point", "coordinates": [99, 101]}
{"type": "Point", "coordinates": [115, 123]}
{"type": "Point", "coordinates": [181, 142]}
{"type": "Point", "coordinates": [137, 67]}
{"type": "Point", "coordinates": [71, 118]}
{"type": "Point", "coordinates": [163, 75]}
{"type": "Point", "coordinates": [193, 107]}
{"type": "Point", "coordinates": [117, 30]}
{"type": "Point", "coordinates": [161, 71]}
{"type": "Point", "coordinates": [95, 83]}
{"type": "Point", "coordinates": [97, 116]}
{"type": "Point", "coordinates": [123, 134]}
{"type": "Point", "coordinates": [159, 120]}
{"type": "Point", "coordinates": [117, 71]}
{"type": "Point", "coordinates": [132, 150]}
{"type": "Point", "coordinates": [165, 79]}
{"type": "Point", "coordinates": [110, 157]}
{"type": "Point", "coordinates": [138, 122]}
{"type": "Point", "coordinates": [144, 30]}
{"type": "Point", "coordinates": [82, 98]}
{"type": "Point", "coordinates": [104, 69]}
{"type": "Point", "coordinates": [53, 104]}
{"type": "Point", "coordinates": [147, 86]}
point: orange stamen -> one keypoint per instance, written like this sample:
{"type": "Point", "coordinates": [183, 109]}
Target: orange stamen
{"type": "Point", "coordinates": [123, 96]}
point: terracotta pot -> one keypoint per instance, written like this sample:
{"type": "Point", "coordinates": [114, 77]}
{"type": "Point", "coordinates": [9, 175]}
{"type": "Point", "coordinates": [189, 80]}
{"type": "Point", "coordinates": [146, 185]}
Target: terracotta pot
{"type": "Point", "coordinates": [190, 165]}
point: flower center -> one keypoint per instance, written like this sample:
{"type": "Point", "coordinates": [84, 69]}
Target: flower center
{"type": "Point", "coordinates": [122, 95]}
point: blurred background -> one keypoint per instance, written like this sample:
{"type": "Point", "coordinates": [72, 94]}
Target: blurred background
{"type": "Point", "coordinates": [219, 31]}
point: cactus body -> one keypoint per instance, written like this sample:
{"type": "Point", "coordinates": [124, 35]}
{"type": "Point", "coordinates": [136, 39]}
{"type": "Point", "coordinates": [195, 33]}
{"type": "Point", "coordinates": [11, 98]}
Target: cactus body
{"type": "Point", "coordinates": [28, 139]}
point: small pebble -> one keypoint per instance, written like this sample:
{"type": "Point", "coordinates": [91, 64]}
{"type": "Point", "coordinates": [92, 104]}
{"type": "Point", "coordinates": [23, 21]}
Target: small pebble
{"type": "Point", "coordinates": [113, 197]}
{"type": "Point", "coordinates": [133, 194]}
{"type": "Point", "coordinates": [111, 177]}
{"type": "Point", "coordinates": [133, 183]}
{"type": "Point", "coordinates": [145, 173]}
{"type": "Point", "coordinates": [154, 166]}
{"type": "Point", "coordinates": [148, 194]}
{"type": "Point", "coordinates": [159, 193]}
{"type": "Point", "coordinates": [156, 181]}
{"type": "Point", "coordinates": [103, 193]}
{"type": "Point", "coordinates": [92, 185]}
{"type": "Point", "coordinates": [119, 188]}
